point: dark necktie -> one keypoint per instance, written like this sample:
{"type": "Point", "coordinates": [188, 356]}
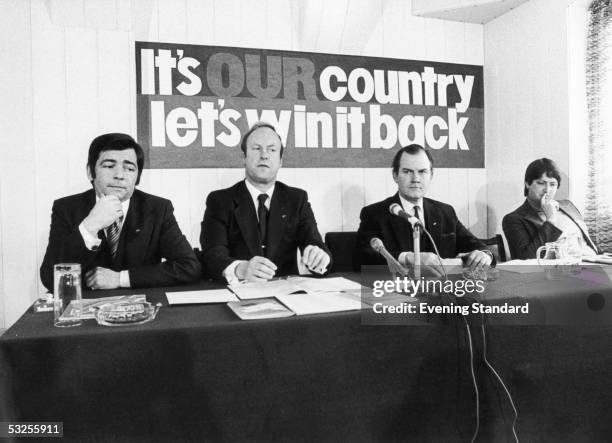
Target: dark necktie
{"type": "Point", "coordinates": [262, 214]}
{"type": "Point", "coordinates": [112, 235]}
{"type": "Point", "coordinates": [416, 212]}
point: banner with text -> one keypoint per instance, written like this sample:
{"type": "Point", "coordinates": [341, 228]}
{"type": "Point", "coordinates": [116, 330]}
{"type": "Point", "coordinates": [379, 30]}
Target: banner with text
{"type": "Point", "coordinates": [195, 102]}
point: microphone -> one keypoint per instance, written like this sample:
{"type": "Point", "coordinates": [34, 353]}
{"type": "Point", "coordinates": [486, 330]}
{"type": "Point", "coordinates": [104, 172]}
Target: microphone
{"type": "Point", "coordinates": [394, 266]}
{"type": "Point", "coordinates": [416, 224]}
{"type": "Point", "coordinates": [396, 209]}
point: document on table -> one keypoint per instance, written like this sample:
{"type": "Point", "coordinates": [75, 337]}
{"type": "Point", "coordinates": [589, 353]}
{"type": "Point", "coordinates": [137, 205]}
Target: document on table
{"type": "Point", "coordinates": [259, 309]}
{"type": "Point", "coordinates": [333, 284]}
{"type": "Point", "coordinates": [603, 259]}
{"type": "Point", "coordinates": [199, 297]}
{"type": "Point", "coordinates": [292, 285]}
{"type": "Point", "coordinates": [319, 303]}
{"type": "Point", "coordinates": [265, 289]}
{"type": "Point", "coordinates": [453, 265]}
{"type": "Point", "coordinates": [520, 266]}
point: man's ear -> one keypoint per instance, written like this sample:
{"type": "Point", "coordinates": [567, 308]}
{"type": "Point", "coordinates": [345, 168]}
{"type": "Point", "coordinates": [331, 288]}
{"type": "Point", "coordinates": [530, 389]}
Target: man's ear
{"type": "Point", "coordinates": [89, 174]}
{"type": "Point", "coordinates": [394, 176]}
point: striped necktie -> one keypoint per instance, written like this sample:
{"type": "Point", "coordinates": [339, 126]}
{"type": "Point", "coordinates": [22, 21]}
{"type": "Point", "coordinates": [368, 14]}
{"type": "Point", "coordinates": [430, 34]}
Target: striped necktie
{"type": "Point", "coordinates": [112, 235]}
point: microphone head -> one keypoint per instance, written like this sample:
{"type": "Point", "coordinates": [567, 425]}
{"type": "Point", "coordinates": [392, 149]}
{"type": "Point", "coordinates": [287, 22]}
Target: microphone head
{"type": "Point", "coordinates": [377, 244]}
{"type": "Point", "coordinates": [395, 209]}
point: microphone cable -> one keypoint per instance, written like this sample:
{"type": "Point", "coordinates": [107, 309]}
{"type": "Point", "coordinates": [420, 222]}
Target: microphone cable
{"type": "Point", "coordinates": [476, 393]}
{"type": "Point", "coordinates": [499, 379]}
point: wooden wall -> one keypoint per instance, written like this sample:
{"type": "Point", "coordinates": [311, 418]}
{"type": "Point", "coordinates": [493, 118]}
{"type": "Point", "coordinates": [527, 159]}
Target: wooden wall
{"type": "Point", "coordinates": [68, 75]}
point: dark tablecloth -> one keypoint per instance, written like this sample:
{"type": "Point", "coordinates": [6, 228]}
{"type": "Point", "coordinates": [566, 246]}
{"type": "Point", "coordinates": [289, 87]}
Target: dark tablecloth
{"type": "Point", "coordinates": [197, 373]}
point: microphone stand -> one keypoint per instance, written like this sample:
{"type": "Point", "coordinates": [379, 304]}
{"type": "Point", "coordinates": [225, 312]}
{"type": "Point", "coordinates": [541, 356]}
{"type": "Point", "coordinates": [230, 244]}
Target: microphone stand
{"type": "Point", "coordinates": [416, 242]}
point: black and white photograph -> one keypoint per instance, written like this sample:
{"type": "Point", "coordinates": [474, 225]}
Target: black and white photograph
{"type": "Point", "coordinates": [306, 220]}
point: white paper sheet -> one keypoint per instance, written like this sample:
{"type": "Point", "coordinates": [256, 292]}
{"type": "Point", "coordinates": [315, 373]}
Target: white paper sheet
{"type": "Point", "coordinates": [319, 303]}
{"type": "Point", "coordinates": [266, 289]}
{"type": "Point", "coordinates": [333, 284]}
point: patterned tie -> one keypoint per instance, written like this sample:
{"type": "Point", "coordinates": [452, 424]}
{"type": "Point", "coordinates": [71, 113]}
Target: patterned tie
{"type": "Point", "coordinates": [112, 235]}
{"type": "Point", "coordinates": [262, 214]}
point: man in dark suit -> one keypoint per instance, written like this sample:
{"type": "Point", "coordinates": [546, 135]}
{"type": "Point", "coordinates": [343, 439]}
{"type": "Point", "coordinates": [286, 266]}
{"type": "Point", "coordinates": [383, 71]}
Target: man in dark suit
{"type": "Point", "coordinates": [412, 171]}
{"type": "Point", "coordinates": [541, 219]}
{"type": "Point", "coordinates": [251, 231]}
{"type": "Point", "coordinates": [118, 234]}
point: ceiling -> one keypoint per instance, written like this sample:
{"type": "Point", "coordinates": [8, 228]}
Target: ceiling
{"type": "Point", "coordinates": [470, 11]}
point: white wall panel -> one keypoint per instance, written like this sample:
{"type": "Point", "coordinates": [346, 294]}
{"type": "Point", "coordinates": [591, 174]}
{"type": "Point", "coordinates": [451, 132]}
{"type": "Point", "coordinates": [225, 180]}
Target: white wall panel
{"type": "Point", "coordinates": [227, 26]}
{"type": "Point", "coordinates": [526, 100]}
{"type": "Point", "coordinates": [18, 205]}
{"type": "Point", "coordinates": [101, 14]}
{"type": "Point", "coordinates": [49, 147]}
{"type": "Point", "coordinates": [81, 94]}
{"type": "Point", "coordinates": [281, 29]}
{"type": "Point", "coordinates": [200, 21]}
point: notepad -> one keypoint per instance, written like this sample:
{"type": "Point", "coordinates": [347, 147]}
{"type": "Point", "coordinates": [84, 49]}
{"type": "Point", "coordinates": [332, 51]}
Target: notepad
{"type": "Point", "coordinates": [200, 297]}
{"type": "Point", "coordinates": [601, 258]}
{"type": "Point", "coordinates": [259, 309]}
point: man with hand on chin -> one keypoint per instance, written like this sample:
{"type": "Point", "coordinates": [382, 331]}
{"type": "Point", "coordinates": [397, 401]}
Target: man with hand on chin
{"type": "Point", "coordinates": [252, 230]}
{"type": "Point", "coordinates": [412, 169]}
{"type": "Point", "coordinates": [117, 233]}
{"type": "Point", "coordinates": [542, 219]}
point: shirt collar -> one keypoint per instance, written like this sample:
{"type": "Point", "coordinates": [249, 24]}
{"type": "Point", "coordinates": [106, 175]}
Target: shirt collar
{"type": "Point", "coordinates": [409, 206]}
{"type": "Point", "coordinates": [254, 192]}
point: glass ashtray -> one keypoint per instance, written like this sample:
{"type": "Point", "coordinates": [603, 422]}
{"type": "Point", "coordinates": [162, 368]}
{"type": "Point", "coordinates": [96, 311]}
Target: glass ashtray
{"type": "Point", "coordinates": [126, 313]}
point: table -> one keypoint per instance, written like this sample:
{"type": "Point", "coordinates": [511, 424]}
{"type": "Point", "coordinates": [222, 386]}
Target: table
{"type": "Point", "coordinates": [197, 373]}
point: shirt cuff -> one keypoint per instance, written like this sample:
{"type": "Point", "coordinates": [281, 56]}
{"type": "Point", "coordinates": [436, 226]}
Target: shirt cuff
{"type": "Point", "coordinates": [91, 242]}
{"type": "Point", "coordinates": [230, 272]}
{"type": "Point", "coordinates": [124, 279]}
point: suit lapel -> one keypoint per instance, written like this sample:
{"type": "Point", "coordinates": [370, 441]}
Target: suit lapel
{"type": "Point", "coordinates": [530, 214]}
{"type": "Point", "coordinates": [246, 217]}
{"type": "Point", "coordinates": [132, 247]}
{"type": "Point", "coordinates": [277, 218]}
{"type": "Point", "coordinates": [433, 223]}
{"type": "Point", "coordinates": [401, 228]}
{"type": "Point", "coordinates": [567, 210]}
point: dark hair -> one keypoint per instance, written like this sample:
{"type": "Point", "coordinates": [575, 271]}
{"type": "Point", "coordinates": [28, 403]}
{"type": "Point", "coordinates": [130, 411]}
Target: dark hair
{"type": "Point", "coordinates": [113, 142]}
{"type": "Point", "coordinates": [412, 149]}
{"type": "Point", "coordinates": [539, 167]}
{"type": "Point", "coordinates": [254, 128]}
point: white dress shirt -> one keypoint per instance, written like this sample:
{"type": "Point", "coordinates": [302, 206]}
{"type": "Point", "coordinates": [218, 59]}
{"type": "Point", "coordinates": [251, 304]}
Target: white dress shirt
{"type": "Point", "coordinates": [409, 209]}
{"type": "Point", "coordinates": [230, 272]}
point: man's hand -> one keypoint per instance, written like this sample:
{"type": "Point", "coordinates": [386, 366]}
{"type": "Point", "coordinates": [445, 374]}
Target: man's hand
{"type": "Point", "coordinates": [476, 259]}
{"type": "Point", "coordinates": [256, 269]}
{"type": "Point", "coordinates": [550, 208]}
{"type": "Point", "coordinates": [102, 278]}
{"type": "Point", "coordinates": [103, 214]}
{"type": "Point", "coordinates": [429, 262]}
{"type": "Point", "coordinates": [315, 259]}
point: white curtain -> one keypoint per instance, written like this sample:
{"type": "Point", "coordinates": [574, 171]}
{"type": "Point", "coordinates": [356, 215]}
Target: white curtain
{"type": "Point", "coordinates": [598, 213]}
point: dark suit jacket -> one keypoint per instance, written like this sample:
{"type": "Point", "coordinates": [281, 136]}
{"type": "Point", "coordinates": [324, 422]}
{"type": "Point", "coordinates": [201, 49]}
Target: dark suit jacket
{"type": "Point", "coordinates": [230, 228]}
{"type": "Point", "coordinates": [149, 233]}
{"type": "Point", "coordinates": [450, 235]}
{"type": "Point", "coordinates": [526, 232]}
